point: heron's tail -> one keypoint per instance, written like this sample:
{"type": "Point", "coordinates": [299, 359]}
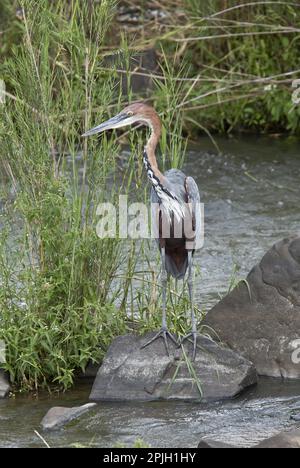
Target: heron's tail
{"type": "Point", "coordinates": [176, 265]}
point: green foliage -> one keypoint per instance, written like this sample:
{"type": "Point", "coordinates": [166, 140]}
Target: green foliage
{"type": "Point", "coordinates": [138, 443]}
{"type": "Point", "coordinates": [11, 27]}
{"type": "Point", "coordinates": [251, 52]}
{"type": "Point", "coordinates": [240, 59]}
{"type": "Point", "coordinates": [56, 312]}
{"type": "Point", "coordinates": [58, 290]}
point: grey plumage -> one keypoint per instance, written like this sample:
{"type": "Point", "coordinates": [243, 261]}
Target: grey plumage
{"type": "Point", "coordinates": [186, 191]}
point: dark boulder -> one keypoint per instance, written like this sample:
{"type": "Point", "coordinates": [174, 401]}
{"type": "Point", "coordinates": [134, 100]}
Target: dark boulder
{"type": "Point", "coordinates": [4, 384]}
{"type": "Point", "coordinates": [141, 67]}
{"type": "Point", "coordinates": [130, 373]}
{"type": "Point", "coordinates": [260, 318]}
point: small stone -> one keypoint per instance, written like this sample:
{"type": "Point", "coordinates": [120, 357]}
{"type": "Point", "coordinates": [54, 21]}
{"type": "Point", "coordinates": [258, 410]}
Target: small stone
{"type": "Point", "coordinates": [296, 417]}
{"type": "Point", "coordinates": [59, 416]}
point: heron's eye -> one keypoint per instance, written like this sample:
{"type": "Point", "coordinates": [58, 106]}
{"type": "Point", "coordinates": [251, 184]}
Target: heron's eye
{"type": "Point", "coordinates": [129, 113]}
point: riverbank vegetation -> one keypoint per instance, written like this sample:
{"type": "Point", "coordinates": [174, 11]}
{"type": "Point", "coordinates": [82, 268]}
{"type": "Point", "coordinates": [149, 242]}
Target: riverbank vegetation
{"type": "Point", "coordinates": [234, 62]}
{"type": "Point", "coordinates": [64, 293]}
{"type": "Point", "coordinates": [63, 297]}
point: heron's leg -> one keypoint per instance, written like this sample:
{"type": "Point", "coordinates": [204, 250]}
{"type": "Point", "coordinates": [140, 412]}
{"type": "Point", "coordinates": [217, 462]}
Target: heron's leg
{"type": "Point", "coordinates": [193, 333]}
{"type": "Point", "coordinates": [164, 332]}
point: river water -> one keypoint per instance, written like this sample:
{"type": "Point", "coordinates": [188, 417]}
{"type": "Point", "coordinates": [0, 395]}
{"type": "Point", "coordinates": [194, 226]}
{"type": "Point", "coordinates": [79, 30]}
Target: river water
{"type": "Point", "coordinates": [251, 196]}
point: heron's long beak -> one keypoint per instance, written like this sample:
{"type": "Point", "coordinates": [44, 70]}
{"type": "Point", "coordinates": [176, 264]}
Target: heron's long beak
{"type": "Point", "coordinates": [120, 120]}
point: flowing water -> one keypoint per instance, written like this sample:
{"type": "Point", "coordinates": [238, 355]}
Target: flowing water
{"type": "Point", "coordinates": [251, 197]}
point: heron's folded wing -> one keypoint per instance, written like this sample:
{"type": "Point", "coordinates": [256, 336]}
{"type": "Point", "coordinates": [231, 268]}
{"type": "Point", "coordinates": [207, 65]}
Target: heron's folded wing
{"type": "Point", "coordinates": [155, 207]}
{"type": "Point", "coordinates": [194, 201]}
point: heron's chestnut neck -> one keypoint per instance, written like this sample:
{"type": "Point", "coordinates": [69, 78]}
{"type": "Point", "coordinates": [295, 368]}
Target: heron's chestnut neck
{"type": "Point", "coordinates": [153, 121]}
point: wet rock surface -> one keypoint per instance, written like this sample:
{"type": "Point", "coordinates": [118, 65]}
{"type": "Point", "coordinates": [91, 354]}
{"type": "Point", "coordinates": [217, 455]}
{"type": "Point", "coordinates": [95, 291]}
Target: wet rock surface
{"type": "Point", "coordinates": [260, 319]}
{"type": "Point", "coordinates": [59, 416]}
{"type": "Point", "coordinates": [4, 384]}
{"type": "Point", "coordinates": [213, 444]}
{"type": "Point", "coordinates": [130, 373]}
{"type": "Point", "coordinates": [295, 417]}
{"type": "Point", "coordinates": [289, 439]}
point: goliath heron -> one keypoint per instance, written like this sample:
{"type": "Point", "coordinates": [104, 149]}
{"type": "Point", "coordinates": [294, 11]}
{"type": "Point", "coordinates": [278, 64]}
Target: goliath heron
{"type": "Point", "coordinates": [175, 198]}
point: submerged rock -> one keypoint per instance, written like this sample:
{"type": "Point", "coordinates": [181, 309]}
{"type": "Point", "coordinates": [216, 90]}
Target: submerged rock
{"type": "Point", "coordinates": [213, 444]}
{"type": "Point", "coordinates": [4, 384]}
{"type": "Point", "coordinates": [60, 416]}
{"type": "Point", "coordinates": [260, 319]}
{"type": "Point", "coordinates": [295, 417]}
{"type": "Point", "coordinates": [130, 373]}
{"type": "Point", "coordinates": [290, 439]}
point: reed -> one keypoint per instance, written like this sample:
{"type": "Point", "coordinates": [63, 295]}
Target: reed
{"type": "Point", "coordinates": [57, 309]}
{"type": "Point", "coordinates": [62, 298]}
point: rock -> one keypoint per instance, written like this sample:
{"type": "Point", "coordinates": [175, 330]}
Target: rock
{"type": "Point", "coordinates": [261, 319]}
{"type": "Point", "coordinates": [4, 384]}
{"type": "Point", "coordinates": [213, 444]}
{"type": "Point", "coordinates": [142, 66]}
{"type": "Point", "coordinates": [90, 371]}
{"type": "Point", "coordinates": [296, 417]}
{"type": "Point", "coordinates": [290, 439]}
{"type": "Point", "coordinates": [60, 416]}
{"type": "Point", "coordinates": [130, 373]}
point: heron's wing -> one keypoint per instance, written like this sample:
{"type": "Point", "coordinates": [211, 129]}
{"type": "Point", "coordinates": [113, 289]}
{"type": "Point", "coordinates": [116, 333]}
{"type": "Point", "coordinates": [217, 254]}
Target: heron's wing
{"type": "Point", "coordinates": [155, 207]}
{"type": "Point", "coordinates": [194, 201]}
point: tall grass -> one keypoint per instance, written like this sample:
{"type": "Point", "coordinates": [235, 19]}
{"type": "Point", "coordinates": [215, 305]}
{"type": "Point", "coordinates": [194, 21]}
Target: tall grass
{"type": "Point", "coordinates": [243, 57]}
{"type": "Point", "coordinates": [57, 312]}
{"type": "Point", "coordinates": [64, 292]}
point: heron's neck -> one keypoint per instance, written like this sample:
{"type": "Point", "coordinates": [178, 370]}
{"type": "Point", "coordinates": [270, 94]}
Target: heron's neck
{"type": "Point", "coordinates": [158, 181]}
{"type": "Point", "coordinates": [151, 146]}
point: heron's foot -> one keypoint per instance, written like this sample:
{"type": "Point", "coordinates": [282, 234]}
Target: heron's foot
{"type": "Point", "coordinates": [193, 335]}
{"type": "Point", "coordinates": [165, 334]}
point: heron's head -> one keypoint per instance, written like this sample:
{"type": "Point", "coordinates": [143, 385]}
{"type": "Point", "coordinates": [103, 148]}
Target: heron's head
{"type": "Point", "coordinates": [137, 112]}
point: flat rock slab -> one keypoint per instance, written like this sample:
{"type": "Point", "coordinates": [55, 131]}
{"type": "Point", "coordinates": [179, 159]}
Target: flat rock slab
{"type": "Point", "coordinates": [4, 384]}
{"type": "Point", "coordinates": [59, 416]}
{"type": "Point", "coordinates": [130, 373]}
{"type": "Point", "coordinates": [261, 319]}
